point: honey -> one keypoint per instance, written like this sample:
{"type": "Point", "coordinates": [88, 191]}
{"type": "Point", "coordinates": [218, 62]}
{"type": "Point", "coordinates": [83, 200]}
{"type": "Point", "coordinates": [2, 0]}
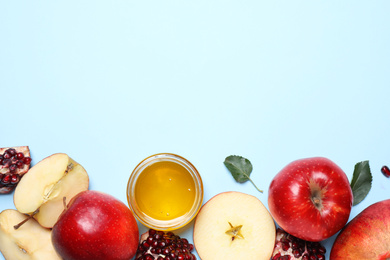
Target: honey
{"type": "Point", "coordinates": [165, 190]}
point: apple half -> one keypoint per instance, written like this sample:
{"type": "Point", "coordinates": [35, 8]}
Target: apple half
{"type": "Point", "coordinates": [42, 189]}
{"type": "Point", "coordinates": [234, 225]}
{"type": "Point", "coordinates": [30, 241]}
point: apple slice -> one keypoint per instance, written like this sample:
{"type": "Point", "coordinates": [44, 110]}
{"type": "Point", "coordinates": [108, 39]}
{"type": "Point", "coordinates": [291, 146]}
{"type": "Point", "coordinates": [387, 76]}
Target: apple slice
{"type": "Point", "coordinates": [30, 241]}
{"type": "Point", "coordinates": [234, 225]}
{"type": "Point", "coordinates": [42, 190]}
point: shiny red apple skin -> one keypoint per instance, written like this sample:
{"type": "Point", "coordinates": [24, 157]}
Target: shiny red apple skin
{"type": "Point", "coordinates": [366, 236]}
{"type": "Point", "coordinates": [95, 226]}
{"type": "Point", "coordinates": [311, 198]}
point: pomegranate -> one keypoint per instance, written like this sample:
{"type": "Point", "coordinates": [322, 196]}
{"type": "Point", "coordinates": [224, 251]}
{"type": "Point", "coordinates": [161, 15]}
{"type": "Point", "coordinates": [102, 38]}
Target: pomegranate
{"type": "Point", "coordinates": [288, 247]}
{"type": "Point", "coordinates": [163, 246]}
{"type": "Point", "coordinates": [14, 163]}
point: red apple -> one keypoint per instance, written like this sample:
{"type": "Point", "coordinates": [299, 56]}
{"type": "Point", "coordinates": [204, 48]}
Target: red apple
{"type": "Point", "coordinates": [311, 198]}
{"type": "Point", "coordinates": [95, 226]}
{"type": "Point", "coordinates": [367, 236]}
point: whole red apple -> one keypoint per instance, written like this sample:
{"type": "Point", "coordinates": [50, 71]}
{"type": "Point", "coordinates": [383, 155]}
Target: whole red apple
{"type": "Point", "coordinates": [367, 236]}
{"type": "Point", "coordinates": [95, 226]}
{"type": "Point", "coordinates": [311, 198]}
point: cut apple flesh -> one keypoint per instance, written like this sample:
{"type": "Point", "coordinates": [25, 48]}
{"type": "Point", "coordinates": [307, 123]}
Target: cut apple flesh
{"type": "Point", "coordinates": [31, 241]}
{"type": "Point", "coordinates": [44, 186]}
{"type": "Point", "coordinates": [234, 225]}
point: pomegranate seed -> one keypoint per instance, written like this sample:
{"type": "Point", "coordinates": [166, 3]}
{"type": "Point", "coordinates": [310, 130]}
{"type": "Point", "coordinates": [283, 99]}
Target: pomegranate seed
{"type": "Point", "coordinates": [320, 257]}
{"type": "Point", "coordinates": [11, 151]}
{"type": "Point", "coordinates": [285, 246]}
{"type": "Point", "coordinates": [149, 240]}
{"type": "Point", "coordinates": [296, 253]}
{"type": "Point", "coordinates": [154, 243]}
{"type": "Point", "coordinates": [19, 164]}
{"type": "Point", "coordinates": [6, 179]}
{"type": "Point", "coordinates": [149, 257]}
{"type": "Point", "coordinates": [7, 155]}
{"type": "Point", "coordinates": [145, 244]}
{"type": "Point", "coordinates": [386, 171]}
{"type": "Point", "coordinates": [19, 156]}
{"type": "Point", "coordinates": [6, 162]}
{"type": "Point", "coordinates": [322, 250]}
{"type": "Point", "coordinates": [14, 178]}
{"type": "Point", "coordinates": [26, 160]}
{"type": "Point", "coordinates": [12, 168]}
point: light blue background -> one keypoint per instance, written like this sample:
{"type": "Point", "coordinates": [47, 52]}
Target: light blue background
{"type": "Point", "coordinates": [112, 82]}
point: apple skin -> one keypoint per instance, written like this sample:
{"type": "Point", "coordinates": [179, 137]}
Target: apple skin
{"type": "Point", "coordinates": [95, 226]}
{"type": "Point", "coordinates": [366, 236]}
{"type": "Point", "coordinates": [311, 198]}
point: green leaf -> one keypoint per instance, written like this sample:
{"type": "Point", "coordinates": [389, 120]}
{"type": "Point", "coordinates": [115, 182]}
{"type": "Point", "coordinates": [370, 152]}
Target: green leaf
{"type": "Point", "coordinates": [240, 168]}
{"type": "Point", "coordinates": [361, 181]}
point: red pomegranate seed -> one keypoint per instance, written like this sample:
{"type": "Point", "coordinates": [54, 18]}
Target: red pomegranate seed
{"type": "Point", "coordinates": [11, 151]}
{"type": "Point", "coordinates": [19, 156]}
{"type": "Point", "coordinates": [19, 164]}
{"type": "Point", "coordinates": [12, 168]}
{"type": "Point", "coordinates": [6, 162]}
{"type": "Point", "coordinates": [26, 160]}
{"type": "Point", "coordinates": [14, 178]}
{"type": "Point", "coordinates": [6, 179]}
{"type": "Point", "coordinates": [386, 171]}
{"type": "Point", "coordinates": [6, 155]}
{"type": "Point", "coordinates": [320, 257]}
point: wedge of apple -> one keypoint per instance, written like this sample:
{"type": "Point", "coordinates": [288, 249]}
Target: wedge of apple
{"type": "Point", "coordinates": [30, 241]}
{"type": "Point", "coordinates": [234, 225]}
{"type": "Point", "coordinates": [42, 190]}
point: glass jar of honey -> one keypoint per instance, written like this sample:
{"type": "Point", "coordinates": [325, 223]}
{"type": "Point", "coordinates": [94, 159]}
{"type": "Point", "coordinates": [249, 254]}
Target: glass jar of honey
{"type": "Point", "coordinates": [165, 191]}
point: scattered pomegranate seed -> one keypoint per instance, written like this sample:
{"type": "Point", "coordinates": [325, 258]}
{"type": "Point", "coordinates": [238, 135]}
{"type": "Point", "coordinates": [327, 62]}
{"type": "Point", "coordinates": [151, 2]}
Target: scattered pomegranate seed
{"type": "Point", "coordinates": [386, 171]}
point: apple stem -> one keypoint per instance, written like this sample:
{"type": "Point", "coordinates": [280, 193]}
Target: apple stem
{"type": "Point", "coordinates": [27, 219]}
{"type": "Point", "coordinates": [255, 185]}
